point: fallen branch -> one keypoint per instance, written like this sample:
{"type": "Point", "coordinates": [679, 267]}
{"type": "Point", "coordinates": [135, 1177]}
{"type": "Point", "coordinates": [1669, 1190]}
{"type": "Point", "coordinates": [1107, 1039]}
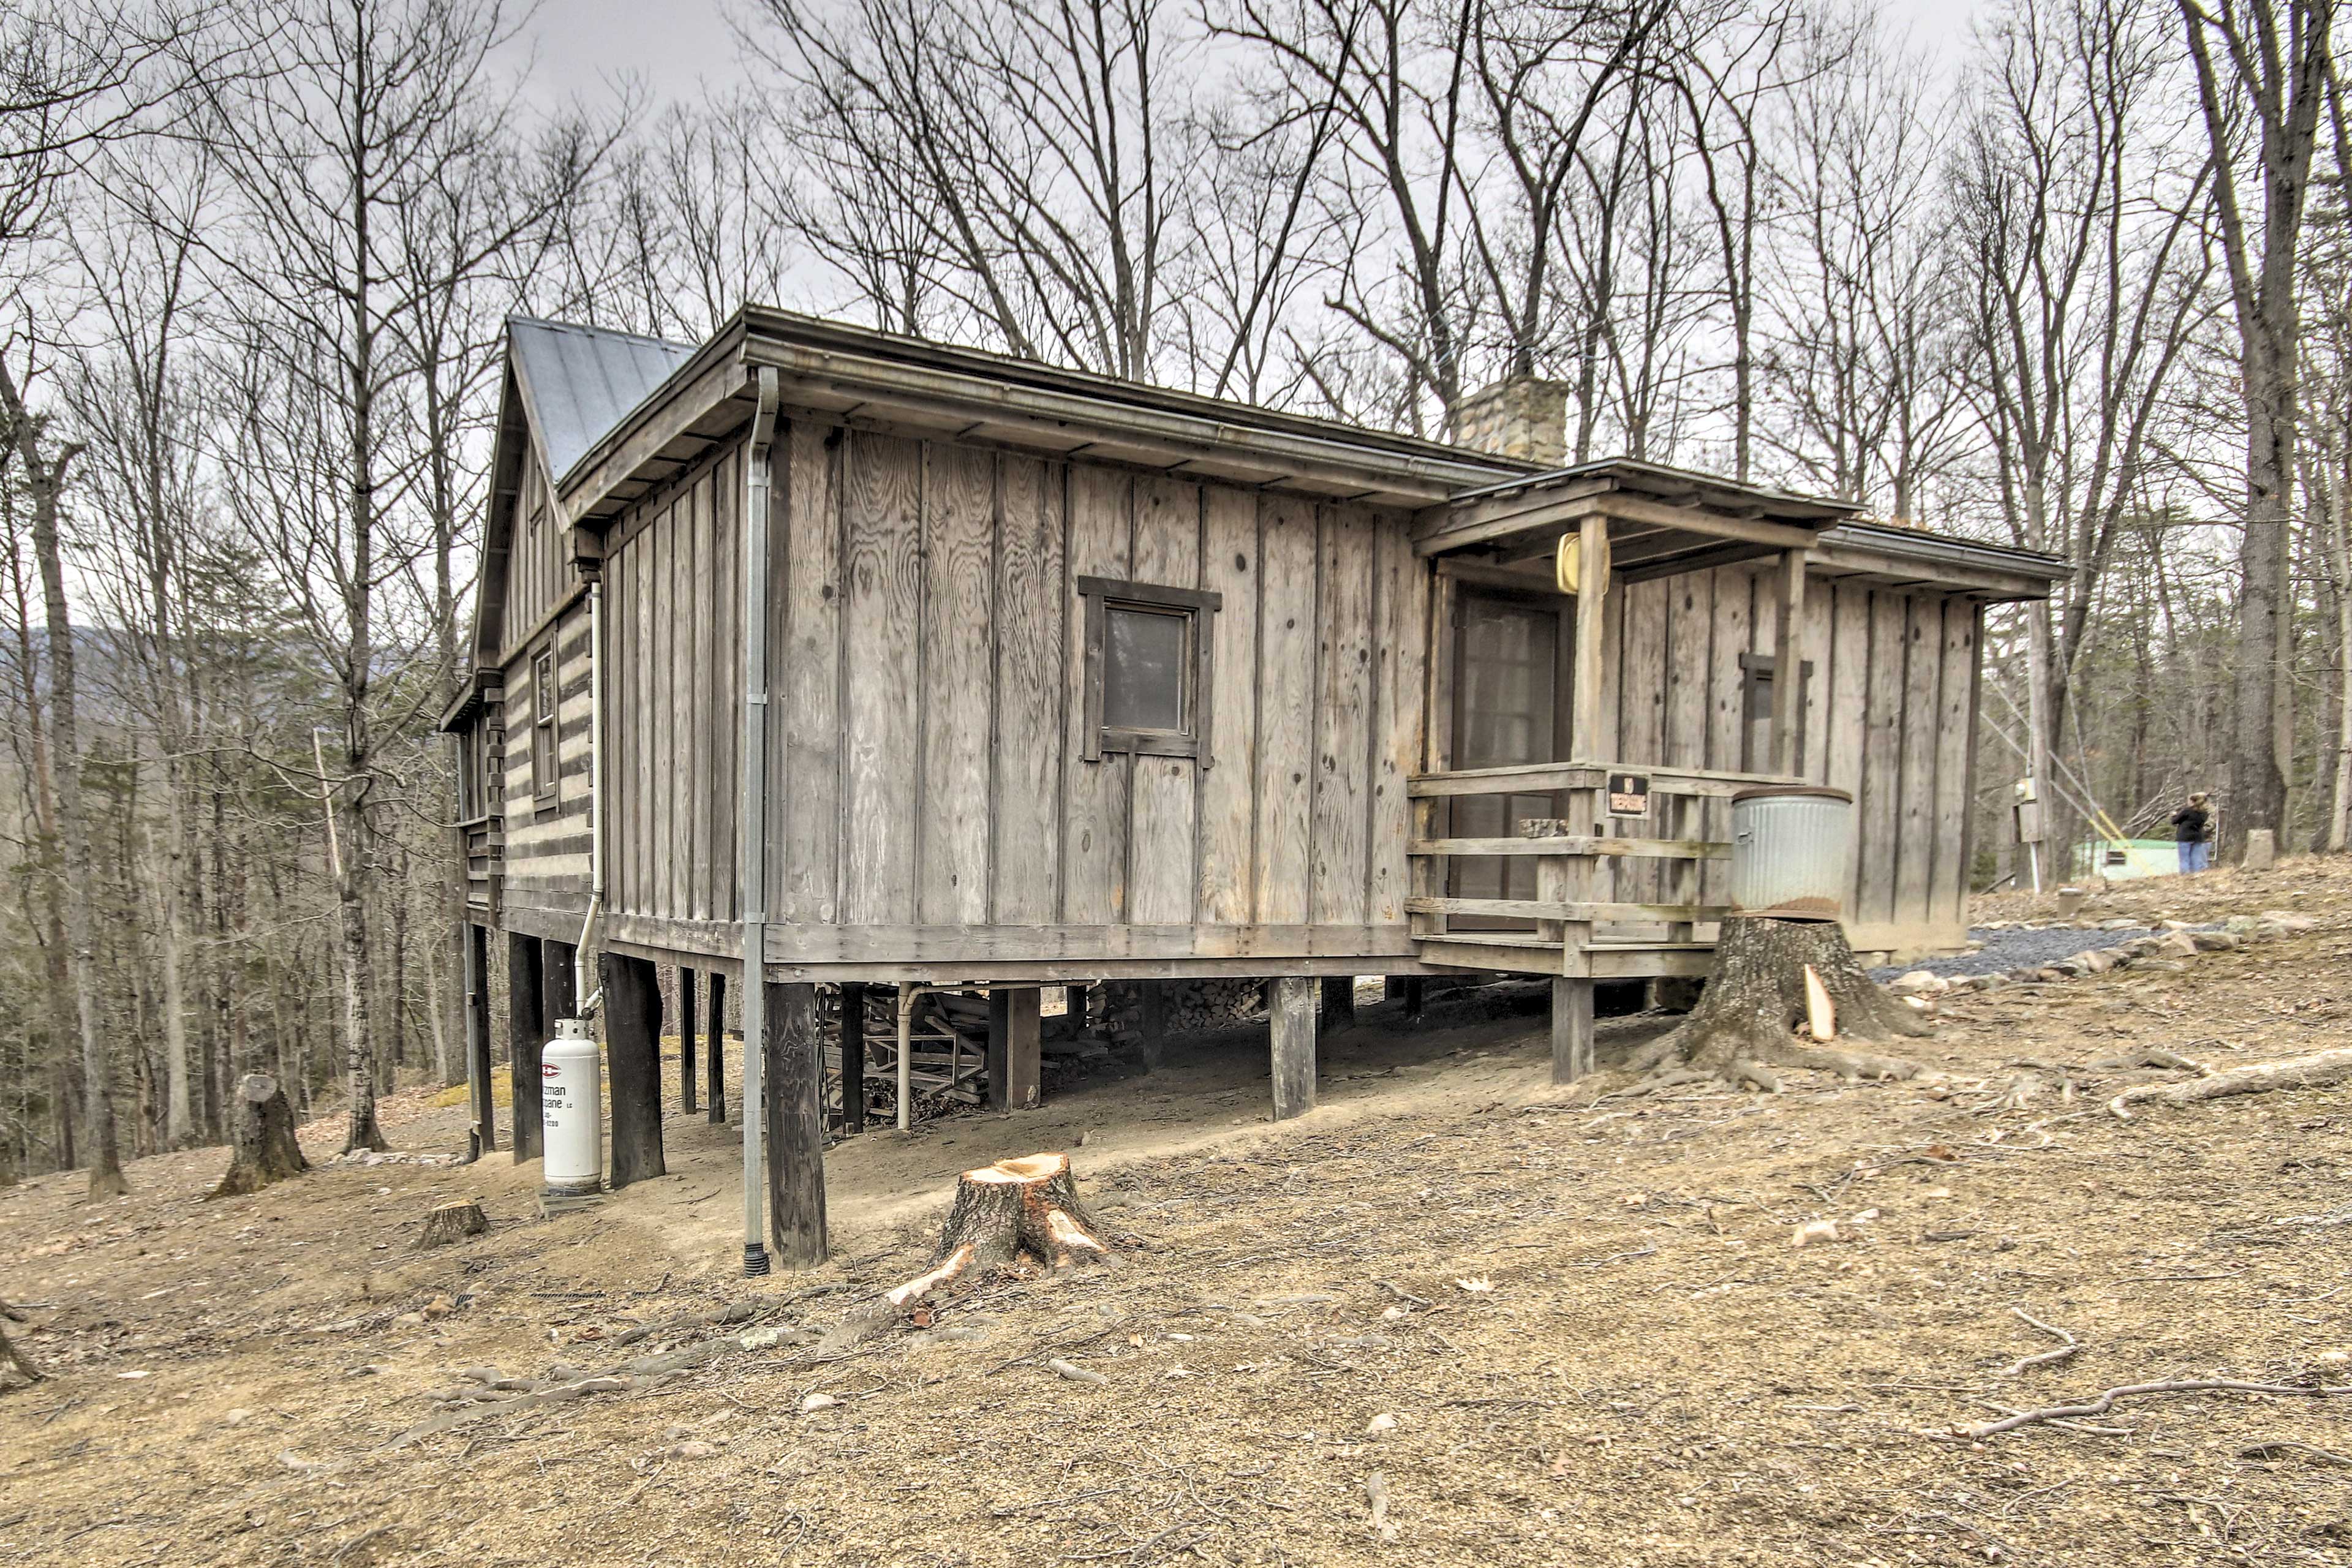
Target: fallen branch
{"type": "Point", "coordinates": [2322, 1069]}
{"type": "Point", "coordinates": [2107, 1401]}
{"type": "Point", "coordinates": [2066, 1352]}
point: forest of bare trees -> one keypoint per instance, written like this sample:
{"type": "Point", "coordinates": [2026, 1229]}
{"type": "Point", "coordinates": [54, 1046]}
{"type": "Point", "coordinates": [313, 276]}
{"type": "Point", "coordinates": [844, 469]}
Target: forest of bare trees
{"type": "Point", "coordinates": [2085, 286]}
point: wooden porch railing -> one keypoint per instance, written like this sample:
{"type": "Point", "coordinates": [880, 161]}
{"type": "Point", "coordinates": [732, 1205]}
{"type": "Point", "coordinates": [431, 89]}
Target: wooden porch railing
{"type": "Point", "coordinates": [1571, 852]}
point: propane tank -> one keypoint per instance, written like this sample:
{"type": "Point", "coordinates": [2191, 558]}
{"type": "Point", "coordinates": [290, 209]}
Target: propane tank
{"type": "Point", "coordinates": [572, 1112]}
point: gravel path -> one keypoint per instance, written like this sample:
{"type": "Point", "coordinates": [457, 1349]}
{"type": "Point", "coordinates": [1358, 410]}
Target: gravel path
{"type": "Point", "coordinates": [2014, 947]}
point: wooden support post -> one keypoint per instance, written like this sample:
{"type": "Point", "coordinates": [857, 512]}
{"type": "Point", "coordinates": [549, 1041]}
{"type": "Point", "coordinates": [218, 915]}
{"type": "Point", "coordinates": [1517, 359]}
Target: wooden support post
{"type": "Point", "coordinates": [715, 1052]}
{"type": "Point", "coordinates": [853, 1056]}
{"type": "Point", "coordinates": [795, 1128]}
{"type": "Point", "coordinates": [1015, 1056]}
{"type": "Point", "coordinates": [1154, 997]}
{"type": "Point", "coordinates": [686, 981]}
{"type": "Point", "coordinates": [1789, 667]}
{"type": "Point", "coordinates": [527, 1037]}
{"type": "Point", "coordinates": [1290, 1039]}
{"type": "Point", "coordinates": [633, 1031]}
{"type": "Point", "coordinates": [1339, 1002]}
{"type": "Point", "coordinates": [1074, 1007]}
{"type": "Point", "coordinates": [474, 947]}
{"type": "Point", "coordinates": [1571, 1028]}
{"type": "Point", "coordinates": [1584, 725]}
{"type": "Point", "coordinates": [1415, 996]}
{"type": "Point", "coordinates": [560, 985]}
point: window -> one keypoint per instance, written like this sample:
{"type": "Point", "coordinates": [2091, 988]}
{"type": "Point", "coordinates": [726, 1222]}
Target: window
{"type": "Point", "coordinates": [470, 804]}
{"type": "Point", "coordinates": [1755, 713]}
{"type": "Point", "coordinates": [542, 726]}
{"type": "Point", "coordinates": [1147, 665]}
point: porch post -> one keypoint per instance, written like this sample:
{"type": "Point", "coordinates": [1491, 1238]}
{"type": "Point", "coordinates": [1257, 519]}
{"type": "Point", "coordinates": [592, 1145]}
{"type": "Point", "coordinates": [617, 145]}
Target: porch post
{"type": "Point", "coordinates": [526, 1039]}
{"type": "Point", "coordinates": [687, 981]}
{"type": "Point", "coordinates": [1789, 665]}
{"type": "Point", "coordinates": [1592, 608]}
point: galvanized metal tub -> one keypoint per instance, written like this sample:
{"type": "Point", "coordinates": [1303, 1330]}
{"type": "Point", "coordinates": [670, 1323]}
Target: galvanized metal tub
{"type": "Point", "coordinates": [1791, 851]}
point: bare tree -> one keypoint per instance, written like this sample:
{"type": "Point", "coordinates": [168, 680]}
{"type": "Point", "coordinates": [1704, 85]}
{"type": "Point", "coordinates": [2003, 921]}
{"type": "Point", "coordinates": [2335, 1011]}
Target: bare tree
{"type": "Point", "coordinates": [2086, 278]}
{"type": "Point", "coordinates": [2261, 69]}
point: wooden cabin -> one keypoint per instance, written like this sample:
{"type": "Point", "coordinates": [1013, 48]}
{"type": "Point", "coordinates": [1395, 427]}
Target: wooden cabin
{"type": "Point", "coordinates": [1067, 679]}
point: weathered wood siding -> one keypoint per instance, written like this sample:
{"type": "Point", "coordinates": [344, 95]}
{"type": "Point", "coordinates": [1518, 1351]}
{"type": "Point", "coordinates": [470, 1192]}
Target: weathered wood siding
{"type": "Point", "coordinates": [547, 840]}
{"type": "Point", "coordinates": [935, 799]}
{"type": "Point", "coordinates": [673, 699]}
{"type": "Point", "coordinates": [539, 557]}
{"type": "Point", "coordinates": [1888, 716]}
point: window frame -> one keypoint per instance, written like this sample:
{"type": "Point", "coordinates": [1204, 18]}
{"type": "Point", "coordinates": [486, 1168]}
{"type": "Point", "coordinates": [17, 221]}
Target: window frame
{"type": "Point", "coordinates": [544, 674]}
{"type": "Point", "coordinates": [1100, 595]}
{"type": "Point", "coordinates": [1757, 673]}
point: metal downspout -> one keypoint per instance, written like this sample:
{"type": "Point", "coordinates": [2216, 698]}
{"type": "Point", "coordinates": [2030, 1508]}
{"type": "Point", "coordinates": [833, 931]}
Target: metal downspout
{"type": "Point", "coordinates": [753, 817]}
{"type": "Point", "coordinates": [580, 988]}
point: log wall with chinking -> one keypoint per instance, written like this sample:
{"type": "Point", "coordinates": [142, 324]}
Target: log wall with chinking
{"type": "Point", "coordinates": [546, 862]}
{"type": "Point", "coordinates": [930, 801]}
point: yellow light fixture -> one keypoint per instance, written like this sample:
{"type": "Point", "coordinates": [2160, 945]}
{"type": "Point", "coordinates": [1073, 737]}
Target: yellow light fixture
{"type": "Point", "coordinates": [1569, 565]}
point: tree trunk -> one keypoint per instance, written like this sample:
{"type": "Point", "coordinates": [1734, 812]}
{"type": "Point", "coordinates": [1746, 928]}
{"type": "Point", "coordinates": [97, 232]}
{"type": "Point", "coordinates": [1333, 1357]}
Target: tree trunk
{"type": "Point", "coordinates": [263, 1150]}
{"type": "Point", "coordinates": [1018, 1210]}
{"type": "Point", "coordinates": [9, 1354]}
{"type": "Point", "coordinates": [1747, 1015]}
{"type": "Point", "coordinates": [45, 478]}
{"type": "Point", "coordinates": [445, 1222]}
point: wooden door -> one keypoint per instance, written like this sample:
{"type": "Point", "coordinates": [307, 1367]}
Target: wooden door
{"type": "Point", "coordinates": [1513, 658]}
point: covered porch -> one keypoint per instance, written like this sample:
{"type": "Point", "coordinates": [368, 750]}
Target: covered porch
{"type": "Point", "coordinates": [1538, 845]}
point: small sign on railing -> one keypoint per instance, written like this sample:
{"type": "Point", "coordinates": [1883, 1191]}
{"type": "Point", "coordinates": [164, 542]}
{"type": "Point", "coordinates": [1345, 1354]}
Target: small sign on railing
{"type": "Point", "coordinates": [1629, 795]}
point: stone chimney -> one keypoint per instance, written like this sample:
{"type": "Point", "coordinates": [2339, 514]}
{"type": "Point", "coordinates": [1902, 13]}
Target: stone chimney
{"type": "Point", "coordinates": [1521, 416]}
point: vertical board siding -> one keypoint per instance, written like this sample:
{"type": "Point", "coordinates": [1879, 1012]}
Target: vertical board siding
{"type": "Point", "coordinates": [1228, 566]}
{"type": "Point", "coordinates": [1400, 647]}
{"type": "Point", "coordinates": [1032, 692]}
{"type": "Point", "coordinates": [1161, 887]}
{"type": "Point", "coordinates": [805, 546]}
{"type": "Point", "coordinates": [1094, 796]}
{"type": "Point", "coordinates": [1881, 801]}
{"type": "Point", "coordinates": [1341, 820]}
{"type": "Point", "coordinates": [958, 559]}
{"type": "Point", "coordinates": [1947, 896]}
{"type": "Point", "coordinates": [882, 572]}
{"type": "Point", "coordinates": [1287, 611]}
{"type": "Point", "coordinates": [1915, 847]}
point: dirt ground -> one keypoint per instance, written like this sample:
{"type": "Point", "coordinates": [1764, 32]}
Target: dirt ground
{"type": "Point", "coordinates": [1541, 1326]}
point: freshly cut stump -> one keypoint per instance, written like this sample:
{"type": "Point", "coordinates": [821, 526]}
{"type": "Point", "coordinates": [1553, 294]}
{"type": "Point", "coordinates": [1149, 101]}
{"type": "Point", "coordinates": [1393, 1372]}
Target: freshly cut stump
{"type": "Point", "coordinates": [452, 1221]}
{"type": "Point", "coordinates": [263, 1149]}
{"type": "Point", "coordinates": [1770, 974]}
{"type": "Point", "coordinates": [1015, 1209]}
{"type": "Point", "coordinates": [1015, 1213]}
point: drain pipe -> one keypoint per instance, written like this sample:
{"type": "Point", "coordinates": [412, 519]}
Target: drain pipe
{"type": "Point", "coordinates": [753, 817]}
{"type": "Point", "coordinates": [587, 1007]}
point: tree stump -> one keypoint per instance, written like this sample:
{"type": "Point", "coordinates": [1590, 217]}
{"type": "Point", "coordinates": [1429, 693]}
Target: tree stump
{"type": "Point", "coordinates": [446, 1222]}
{"type": "Point", "coordinates": [9, 1354]}
{"type": "Point", "coordinates": [1746, 1018]}
{"type": "Point", "coordinates": [1019, 1209]}
{"type": "Point", "coordinates": [263, 1148]}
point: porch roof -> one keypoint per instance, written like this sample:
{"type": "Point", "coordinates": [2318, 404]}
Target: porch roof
{"type": "Point", "coordinates": [1660, 521]}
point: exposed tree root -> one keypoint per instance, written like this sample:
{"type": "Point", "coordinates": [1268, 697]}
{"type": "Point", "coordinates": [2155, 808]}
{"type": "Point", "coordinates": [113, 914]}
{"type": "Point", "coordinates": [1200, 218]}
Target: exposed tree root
{"type": "Point", "coordinates": [1771, 975]}
{"type": "Point", "coordinates": [2322, 1069]}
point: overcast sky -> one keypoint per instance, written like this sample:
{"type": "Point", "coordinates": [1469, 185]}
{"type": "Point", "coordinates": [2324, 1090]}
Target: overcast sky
{"type": "Point", "coordinates": [674, 46]}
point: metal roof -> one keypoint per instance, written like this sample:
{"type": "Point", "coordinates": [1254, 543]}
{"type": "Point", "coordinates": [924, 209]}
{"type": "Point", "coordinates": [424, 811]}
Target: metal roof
{"type": "Point", "coordinates": [580, 382]}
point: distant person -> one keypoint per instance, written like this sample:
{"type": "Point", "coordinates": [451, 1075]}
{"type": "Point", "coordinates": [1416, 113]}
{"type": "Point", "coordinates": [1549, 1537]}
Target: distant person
{"type": "Point", "coordinates": [2192, 829]}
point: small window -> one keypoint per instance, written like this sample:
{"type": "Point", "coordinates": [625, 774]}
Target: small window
{"type": "Point", "coordinates": [1755, 731]}
{"type": "Point", "coordinates": [543, 726]}
{"type": "Point", "coordinates": [469, 773]}
{"type": "Point", "coordinates": [1147, 665]}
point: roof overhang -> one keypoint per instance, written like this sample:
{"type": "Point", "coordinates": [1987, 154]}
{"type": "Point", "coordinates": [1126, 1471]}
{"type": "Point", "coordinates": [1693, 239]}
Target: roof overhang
{"type": "Point", "coordinates": [1660, 521]}
{"type": "Point", "coordinates": [860, 375]}
{"type": "Point", "coordinates": [471, 698]}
